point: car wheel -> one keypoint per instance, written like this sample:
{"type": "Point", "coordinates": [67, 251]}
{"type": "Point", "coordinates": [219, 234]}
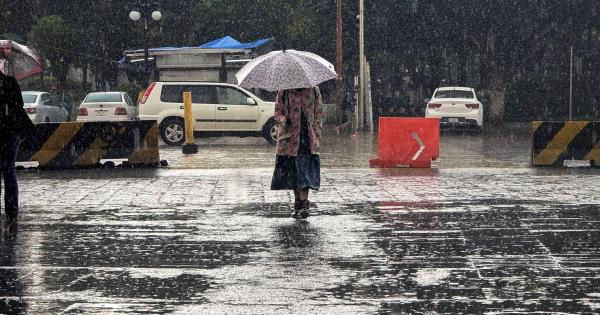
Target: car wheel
{"type": "Point", "coordinates": [269, 131]}
{"type": "Point", "coordinates": [172, 131]}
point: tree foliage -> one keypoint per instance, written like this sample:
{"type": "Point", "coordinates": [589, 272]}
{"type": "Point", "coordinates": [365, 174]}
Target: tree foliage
{"type": "Point", "coordinates": [48, 33]}
{"type": "Point", "coordinates": [515, 52]}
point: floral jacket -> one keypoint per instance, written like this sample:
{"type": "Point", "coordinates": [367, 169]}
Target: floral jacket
{"type": "Point", "coordinates": [288, 107]}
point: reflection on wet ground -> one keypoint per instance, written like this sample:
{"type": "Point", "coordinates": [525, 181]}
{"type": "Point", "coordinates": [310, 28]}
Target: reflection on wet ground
{"type": "Point", "coordinates": [10, 285]}
{"type": "Point", "coordinates": [504, 146]}
{"type": "Point", "coordinates": [463, 240]}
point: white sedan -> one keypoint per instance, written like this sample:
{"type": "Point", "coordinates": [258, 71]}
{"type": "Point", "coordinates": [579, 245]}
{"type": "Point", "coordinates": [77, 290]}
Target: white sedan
{"type": "Point", "coordinates": [107, 106]}
{"type": "Point", "coordinates": [457, 108]}
{"type": "Point", "coordinates": [42, 108]}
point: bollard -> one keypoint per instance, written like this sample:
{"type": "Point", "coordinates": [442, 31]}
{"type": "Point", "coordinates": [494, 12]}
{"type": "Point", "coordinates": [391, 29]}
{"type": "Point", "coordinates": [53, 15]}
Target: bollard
{"type": "Point", "coordinates": [190, 146]}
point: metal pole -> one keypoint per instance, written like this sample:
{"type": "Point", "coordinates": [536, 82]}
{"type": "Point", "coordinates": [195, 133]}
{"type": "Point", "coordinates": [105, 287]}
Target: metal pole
{"type": "Point", "coordinates": [339, 81]}
{"type": "Point", "coordinates": [361, 75]}
{"type": "Point", "coordinates": [571, 87]}
{"type": "Point", "coordinates": [146, 51]}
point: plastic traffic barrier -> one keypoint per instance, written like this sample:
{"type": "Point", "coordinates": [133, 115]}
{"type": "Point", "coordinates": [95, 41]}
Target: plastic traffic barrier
{"type": "Point", "coordinates": [566, 143]}
{"type": "Point", "coordinates": [407, 142]}
{"type": "Point", "coordinates": [84, 144]}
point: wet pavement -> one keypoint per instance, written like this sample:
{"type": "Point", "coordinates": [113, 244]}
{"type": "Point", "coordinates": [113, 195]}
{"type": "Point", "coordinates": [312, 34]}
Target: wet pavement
{"type": "Point", "coordinates": [479, 233]}
{"type": "Point", "coordinates": [508, 146]}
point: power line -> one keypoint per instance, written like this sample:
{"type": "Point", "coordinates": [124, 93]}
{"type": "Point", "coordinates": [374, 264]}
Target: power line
{"type": "Point", "coordinates": [72, 52]}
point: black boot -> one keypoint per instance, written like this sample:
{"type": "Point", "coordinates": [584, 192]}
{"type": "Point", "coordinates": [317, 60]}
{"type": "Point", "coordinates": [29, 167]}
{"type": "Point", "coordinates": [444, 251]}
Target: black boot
{"type": "Point", "coordinates": [297, 208]}
{"type": "Point", "coordinates": [305, 210]}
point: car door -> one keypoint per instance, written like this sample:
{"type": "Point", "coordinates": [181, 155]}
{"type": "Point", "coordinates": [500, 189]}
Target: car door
{"type": "Point", "coordinates": [64, 112]}
{"type": "Point", "coordinates": [203, 106]}
{"type": "Point", "coordinates": [44, 109]}
{"type": "Point", "coordinates": [235, 110]}
{"type": "Point", "coordinates": [171, 101]}
{"type": "Point", "coordinates": [55, 110]}
{"type": "Point", "coordinates": [131, 107]}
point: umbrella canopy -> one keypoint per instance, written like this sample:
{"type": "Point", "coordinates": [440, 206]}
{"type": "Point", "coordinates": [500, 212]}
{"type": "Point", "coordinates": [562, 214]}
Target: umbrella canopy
{"type": "Point", "coordinates": [285, 69]}
{"type": "Point", "coordinates": [19, 61]}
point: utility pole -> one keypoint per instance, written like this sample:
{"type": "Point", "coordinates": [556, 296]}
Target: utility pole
{"type": "Point", "coordinates": [339, 64]}
{"type": "Point", "coordinates": [571, 87]}
{"type": "Point", "coordinates": [361, 75]}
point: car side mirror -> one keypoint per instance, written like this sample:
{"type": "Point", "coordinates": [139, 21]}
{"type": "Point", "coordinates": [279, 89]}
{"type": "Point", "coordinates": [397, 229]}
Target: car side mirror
{"type": "Point", "coordinates": [250, 101]}
{"type": "Point", "coordinates": [427, 100]}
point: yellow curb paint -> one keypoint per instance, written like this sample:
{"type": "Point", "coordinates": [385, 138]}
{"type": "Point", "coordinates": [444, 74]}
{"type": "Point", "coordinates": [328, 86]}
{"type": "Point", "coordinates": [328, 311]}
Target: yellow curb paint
{"type": "Point", "coordinates": [93, 154]}
{"type": "Point", "coordinates": [56, 144]}
{"type": "Point", "coordinates": [536, 125]}
{"type": "Point", "coordinates": [594, 155]}
{"type": "Point", "coordinates": [147, 152]}
{"type": "Point", "coordinates": [559, 143]}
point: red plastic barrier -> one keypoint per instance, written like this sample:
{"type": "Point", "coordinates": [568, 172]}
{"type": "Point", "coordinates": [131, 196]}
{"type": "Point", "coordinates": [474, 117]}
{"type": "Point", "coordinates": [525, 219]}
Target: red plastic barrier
{"type": "Point", "coordinates": [407, 142]}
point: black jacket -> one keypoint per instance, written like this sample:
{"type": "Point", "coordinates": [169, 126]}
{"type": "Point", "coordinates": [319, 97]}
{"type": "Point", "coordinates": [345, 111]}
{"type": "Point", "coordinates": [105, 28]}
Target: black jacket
{"type": "Point", "coordinates": [13, 118]}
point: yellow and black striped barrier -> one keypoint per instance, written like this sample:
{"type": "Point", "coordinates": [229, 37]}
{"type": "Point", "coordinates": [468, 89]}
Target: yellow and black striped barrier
{"type": "Point", "coordinates": [556, 142]}
{"type": "Point", "coordinates": [84, 144]}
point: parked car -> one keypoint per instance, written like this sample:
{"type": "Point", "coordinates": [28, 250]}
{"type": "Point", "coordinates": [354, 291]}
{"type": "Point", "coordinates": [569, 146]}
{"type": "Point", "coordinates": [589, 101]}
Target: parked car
{"type": "Point", "coordinates": [41, 107]}
{"type": "Point", "coordinates": [107, 106]}
{"type": "Point", "coordinates": [218, 108]}
{"type": "Point", "coordinates": [457, 108]}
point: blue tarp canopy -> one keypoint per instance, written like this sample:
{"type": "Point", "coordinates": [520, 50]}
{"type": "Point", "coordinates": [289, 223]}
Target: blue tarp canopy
{"type": "Point", "coordinates": [226, 42]}
{"type": "Point", "coordinates": [229, 42]}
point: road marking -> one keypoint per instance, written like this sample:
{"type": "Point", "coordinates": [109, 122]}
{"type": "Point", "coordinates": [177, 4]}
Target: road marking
{"type": "Point", "coordinates": [421, 145]}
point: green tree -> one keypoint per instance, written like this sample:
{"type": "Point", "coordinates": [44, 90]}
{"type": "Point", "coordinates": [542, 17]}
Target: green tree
{"type": "Point", "coordinates": [51, 36]}
{"type": "Point", "coordinates": [304, 25]}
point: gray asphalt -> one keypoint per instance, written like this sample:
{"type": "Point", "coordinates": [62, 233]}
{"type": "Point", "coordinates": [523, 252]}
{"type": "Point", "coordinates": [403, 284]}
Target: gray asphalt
{"type": "Point", "coordinates": [481, 232]}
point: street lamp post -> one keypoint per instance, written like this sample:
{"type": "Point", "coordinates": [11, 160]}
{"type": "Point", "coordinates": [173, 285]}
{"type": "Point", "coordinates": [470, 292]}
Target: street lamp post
{"type": "Point", "coordinates": [143, 10]}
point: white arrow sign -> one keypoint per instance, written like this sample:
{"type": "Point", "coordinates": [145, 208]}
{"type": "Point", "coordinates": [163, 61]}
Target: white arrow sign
{"type": "Point", "coordinates": [421, 145]}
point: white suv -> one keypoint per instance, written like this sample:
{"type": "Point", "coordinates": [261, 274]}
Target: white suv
{"type": "Point", "coordinates": [457, 108]}
{"type": "Point", "coordinates": [217, 108]}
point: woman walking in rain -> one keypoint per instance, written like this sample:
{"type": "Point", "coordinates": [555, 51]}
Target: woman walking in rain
{"type": "Point", "coordinates": [13, 123]}
{"type": "Point", "coordinates": [299, 114]}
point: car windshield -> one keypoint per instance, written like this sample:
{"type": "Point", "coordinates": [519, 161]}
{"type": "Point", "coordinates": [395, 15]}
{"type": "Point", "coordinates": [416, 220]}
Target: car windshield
{"type": "Point", "coordinates": [29, 98]}
{"type": "Point", "coordinates": [454, 94]}
{"type": "Point", "coordinates": [103, 98]}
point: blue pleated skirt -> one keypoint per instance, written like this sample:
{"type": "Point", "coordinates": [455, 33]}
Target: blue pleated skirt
{"type": "Point", "coordinates": [301, 171]}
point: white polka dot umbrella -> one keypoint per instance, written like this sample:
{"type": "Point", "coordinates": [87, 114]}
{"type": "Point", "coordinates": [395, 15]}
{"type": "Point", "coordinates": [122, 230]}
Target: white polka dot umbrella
{"type": "Point", "coordinates": [285, 69]}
